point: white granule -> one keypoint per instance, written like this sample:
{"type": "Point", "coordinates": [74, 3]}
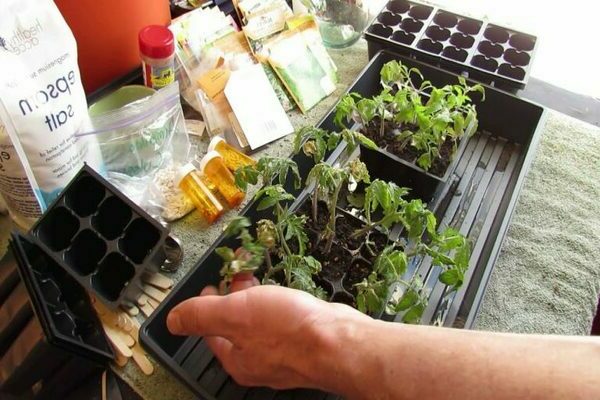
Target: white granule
{"type": "Point", "coordinates": [175, 204]}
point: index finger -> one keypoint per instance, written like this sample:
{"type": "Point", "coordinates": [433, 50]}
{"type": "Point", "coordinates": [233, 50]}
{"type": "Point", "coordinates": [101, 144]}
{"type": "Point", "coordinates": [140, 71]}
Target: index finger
{"type": "Point", "coordinates": [209, 315]}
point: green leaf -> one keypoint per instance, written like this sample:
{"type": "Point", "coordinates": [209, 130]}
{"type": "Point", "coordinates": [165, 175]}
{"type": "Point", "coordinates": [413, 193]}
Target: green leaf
{"type": "Point", "coordinates": [424, 161]}
{"type": "Point", "coordinates": [408, 299]}
{"type": "Point", "coordinates": [313, 141]}
{"type": "Point", "coordinates": [451, 277]}
{"type": "Point", "coordinates": [345, 109]}
{"type": "Point", "coordinates": [431, 223]}
{"type": "Point", "coordinates": [236, 226]}
{"type": "Point", "coordinates": [365, 141]}
{"type": "Point", "coordinates": [269, 196]}
{"type": "Point", "coordinates": [277, 169]}
{"type": "Point", "coordinates": [371, 294]}
{"type": "Point", "coordinates": [356, 200]}
{"type": "Point", "coordinates": [246, 175]}
{"type": "Point", "coordinates": [414, 314]}
{"type": "Point", "coordinates": [391, 263]}
{"type": "Point", "coordinates": [293, 226]}
{"type": "Point", "coordinates": [225, 253]}
{"type": "Point", "coordinates": [367, 110]}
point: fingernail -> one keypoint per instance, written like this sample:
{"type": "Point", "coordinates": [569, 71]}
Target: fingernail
{"type": "Point", "coordinates": [174, 323]}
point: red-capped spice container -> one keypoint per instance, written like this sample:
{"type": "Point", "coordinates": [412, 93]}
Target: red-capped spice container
{"type": "Point", "coordinates": [157, 50]}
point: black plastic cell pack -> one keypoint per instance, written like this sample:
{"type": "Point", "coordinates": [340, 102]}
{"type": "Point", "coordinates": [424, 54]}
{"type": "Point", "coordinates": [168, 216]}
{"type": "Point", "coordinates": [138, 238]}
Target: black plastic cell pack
{"type": "Point", "coordinates": [101, 238]}
{"type": "Point", "coordinates": [58, 345]}
{"type": "Point", "coordinates": [486, 52]}
{"type": "Point", "coordinates": [478, 200]}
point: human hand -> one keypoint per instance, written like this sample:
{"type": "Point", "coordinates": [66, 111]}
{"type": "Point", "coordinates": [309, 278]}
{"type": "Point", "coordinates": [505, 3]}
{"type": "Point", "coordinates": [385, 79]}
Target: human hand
{"type": "Point", "coordinates": [267, 335]}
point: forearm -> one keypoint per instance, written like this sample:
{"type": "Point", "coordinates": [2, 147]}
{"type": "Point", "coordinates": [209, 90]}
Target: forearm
{"type": "Point", "coordinates": [364, 358]}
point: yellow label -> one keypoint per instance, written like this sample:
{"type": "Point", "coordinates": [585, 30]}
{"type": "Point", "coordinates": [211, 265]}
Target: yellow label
{"type": "Point", "coordinates": [214, 81]}
{"type": "Point", "coordinates": [162, 77]}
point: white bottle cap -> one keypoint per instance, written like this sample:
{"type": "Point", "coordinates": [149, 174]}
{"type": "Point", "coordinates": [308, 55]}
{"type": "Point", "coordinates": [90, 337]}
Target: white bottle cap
{"type": "Point", "coordinates": [183, 172]}
{"type": "Point", "coordinates": [209, 156]}
{"type": "Point", "coordinates": [214, 142]}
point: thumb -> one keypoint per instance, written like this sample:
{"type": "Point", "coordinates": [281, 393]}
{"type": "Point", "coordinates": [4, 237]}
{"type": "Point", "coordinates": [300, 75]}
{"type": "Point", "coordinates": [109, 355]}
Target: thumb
{"type": "Point", "coordinates": [207, 315]}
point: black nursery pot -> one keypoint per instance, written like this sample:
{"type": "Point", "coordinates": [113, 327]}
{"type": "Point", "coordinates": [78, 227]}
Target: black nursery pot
{"type": "Point", "coordinates": [63, 341]}
{"type": "Point", "coordinates": [101, 238]}
{"type": "Point", "coordinates": [478, 200]}
{"type": "Point", "coordinates": [486, 52]}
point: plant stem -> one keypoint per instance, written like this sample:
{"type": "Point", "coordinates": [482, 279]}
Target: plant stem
{"type": "Point", "coordinates": [279, 212]}
{"type": "Point", "coordinates": [363, 230]}
{"type": "Point", "coordinates": [315, 201]}
{"type": "Point", "coordinates": [272, 271]}
{"type": "Point", "coordinates": [268, 261]}
{"type": "Point", "coordinates": [332, 218]}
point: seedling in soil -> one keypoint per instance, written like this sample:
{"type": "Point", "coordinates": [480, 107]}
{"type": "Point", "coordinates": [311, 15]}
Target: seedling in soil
{"type": "Point", "coordinates": [383, 204]}
{"type": "Point", "coordinates": [419, 122]}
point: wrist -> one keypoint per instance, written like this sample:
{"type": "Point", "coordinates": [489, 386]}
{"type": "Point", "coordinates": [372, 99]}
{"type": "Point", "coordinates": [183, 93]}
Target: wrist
{"type": "Point", "coordinates": [341, 360]}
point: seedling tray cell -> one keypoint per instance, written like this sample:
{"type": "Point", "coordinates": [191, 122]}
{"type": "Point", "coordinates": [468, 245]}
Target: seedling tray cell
{"type": "Point", "coordinates": [60, 303]}
{"type": "Point", "coordinates": [101, 238]}
{"type": "Point", "coordinates": [478, 199]}
{"type": "Point", "coordinates": [485, 52]}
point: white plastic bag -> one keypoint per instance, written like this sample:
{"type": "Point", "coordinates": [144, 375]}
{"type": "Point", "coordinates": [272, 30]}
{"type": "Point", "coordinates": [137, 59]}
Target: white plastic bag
{"type": "Point", "coordinates": [42, 104]}
{"type": "Point", "coordinates": [140, 143]}
{"type": "Point", "coordinates": [17, 196]}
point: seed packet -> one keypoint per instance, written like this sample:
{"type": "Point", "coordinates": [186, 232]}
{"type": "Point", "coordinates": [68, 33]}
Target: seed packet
{"type": "Point", "coordinates": [300, 60]}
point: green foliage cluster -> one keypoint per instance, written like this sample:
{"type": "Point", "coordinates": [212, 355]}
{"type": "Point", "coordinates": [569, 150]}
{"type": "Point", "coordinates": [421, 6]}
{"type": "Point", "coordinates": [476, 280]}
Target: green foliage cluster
{"type": "Point", "coordinates": [382, 205]}
{"type": "Point", "coordinates": [424, 122]}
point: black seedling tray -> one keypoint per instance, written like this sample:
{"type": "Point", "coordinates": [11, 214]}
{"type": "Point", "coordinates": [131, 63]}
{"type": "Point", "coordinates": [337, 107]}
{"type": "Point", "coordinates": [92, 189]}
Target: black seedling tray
{"type": "Point", "coordinates": [64, 339]}
{"type": "Point", "coordinates": [103, 239]}
{"type": "Point", "coordinates": [478, 200]}
{"type": "Point", "coordinates": [61, 304]}
{"type": "Point", "coordinates": [485, 52]}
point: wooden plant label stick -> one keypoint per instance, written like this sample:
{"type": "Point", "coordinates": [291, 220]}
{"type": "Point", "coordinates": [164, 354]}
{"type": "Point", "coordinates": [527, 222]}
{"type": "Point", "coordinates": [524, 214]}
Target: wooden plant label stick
{"type": "Point", "coordinates": [147, 310]}
{"type": "Point", "coordinates": [141, 301]}
{"type": "Point", "coordinates": [104, 386]}
{"type": "Point", "coordinates": [154, 293]}
{"type": "Point", "coordinates": [120, 359]}
{"type": "Point", "coordinates": [133, 311]}
{"type": "Point", "coordinates": [117, 341]}
{"type": "Point", "coordinates": [153, 303]}
{"type": "Point", "coordinates": [141, 360]}
{"type": "Point", "coordinates": [127, 339]}
{"type": "Point", "coordinates": [158, 280]}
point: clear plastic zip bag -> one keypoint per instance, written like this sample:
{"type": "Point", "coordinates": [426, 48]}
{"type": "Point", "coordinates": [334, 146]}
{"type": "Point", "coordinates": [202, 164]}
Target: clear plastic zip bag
{"type": "Point", "coordinates": [143, 144]}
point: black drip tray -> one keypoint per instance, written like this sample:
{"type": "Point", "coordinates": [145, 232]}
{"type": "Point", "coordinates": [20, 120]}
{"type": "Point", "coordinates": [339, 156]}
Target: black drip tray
{"type": "Point", "coordinates": [477, 199]}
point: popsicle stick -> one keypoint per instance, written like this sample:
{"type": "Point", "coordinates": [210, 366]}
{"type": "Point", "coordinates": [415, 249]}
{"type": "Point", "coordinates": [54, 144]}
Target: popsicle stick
{"type": "Point", "coordinates": [127, 339]}
{"type": "Point", "coordinates": [153, 292]}
{"type": "Point", "coordinates": [153, 303]}
{"type": "Point", "coordinates": [142, 300]}
{"type": "Point", "coordinates": [158, 280]}
{"type": "Point", "coordinates": [139, 357]}
{"type": "Point", "coordinates": [120, 359]}
{"type": "Point", "coordinates": [118, 343]}
{"type": "Point", "coordinates": [132, 311]}
{"type": "Point", "coordinates": [147, 310]}
{"type": "Point", "coordinates": [104, 386]}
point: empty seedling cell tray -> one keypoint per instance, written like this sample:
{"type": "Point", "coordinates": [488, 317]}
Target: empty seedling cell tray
{"type": "Point", "coordinates": [61, 304]}
{"type": "Point", "coordinates": [485, 52]}
{"type": "Point", "coordinates": [503, 55]}
{"type": "Point", "coordinates": [478, 199]}
{"type": "Point", "coordinates": [401, 21]}
{"type": "Point", "coordinates": [101, 238]}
